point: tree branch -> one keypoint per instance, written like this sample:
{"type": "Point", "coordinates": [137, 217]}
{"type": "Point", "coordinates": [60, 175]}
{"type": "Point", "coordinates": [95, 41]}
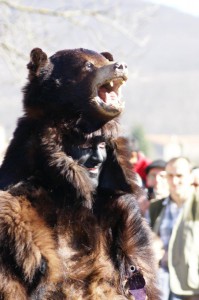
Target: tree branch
{"type": "Point", "coordinates": [44, 11]}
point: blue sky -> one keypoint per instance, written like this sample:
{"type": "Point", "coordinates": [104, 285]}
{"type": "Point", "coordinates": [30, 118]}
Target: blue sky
{"type": "Point", "coordinates": [186, 6]}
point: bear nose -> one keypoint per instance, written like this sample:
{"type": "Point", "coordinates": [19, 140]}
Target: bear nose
{"type": "Point", "coordinates": [121, 66]}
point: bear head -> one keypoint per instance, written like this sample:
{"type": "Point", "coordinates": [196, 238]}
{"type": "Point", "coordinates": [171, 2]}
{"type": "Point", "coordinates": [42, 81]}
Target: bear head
{"type": "Point", "coordinates": [75, 84]}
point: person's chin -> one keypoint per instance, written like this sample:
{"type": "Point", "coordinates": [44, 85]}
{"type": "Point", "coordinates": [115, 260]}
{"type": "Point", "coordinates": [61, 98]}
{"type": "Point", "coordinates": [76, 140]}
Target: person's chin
{"type": "Point", "coordinates": [179, 193]}
{"type": "Point", "coordinates": [94, 181]}
{"type": "Point", "coordinates": [94, 175]}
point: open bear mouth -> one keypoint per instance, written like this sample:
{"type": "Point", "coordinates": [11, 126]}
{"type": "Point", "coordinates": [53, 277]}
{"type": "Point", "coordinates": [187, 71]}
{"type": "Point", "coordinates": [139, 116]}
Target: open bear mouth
{"type": "Point", "coordinates": [110, 92]}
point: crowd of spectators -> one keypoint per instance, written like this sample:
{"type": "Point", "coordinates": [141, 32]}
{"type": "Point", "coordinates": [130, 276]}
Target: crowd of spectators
{"type": "Point", "coordinates": [170, 204]}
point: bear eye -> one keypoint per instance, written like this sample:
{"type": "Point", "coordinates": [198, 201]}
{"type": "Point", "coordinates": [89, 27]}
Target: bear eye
{"type": "Point", "coordinates": [89, 66]}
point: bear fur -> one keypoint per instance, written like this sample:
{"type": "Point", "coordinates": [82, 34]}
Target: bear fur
{"type": "Point", "coordinates": [59, 238]}
{"type": "Point", "coordinates": [62, 105]}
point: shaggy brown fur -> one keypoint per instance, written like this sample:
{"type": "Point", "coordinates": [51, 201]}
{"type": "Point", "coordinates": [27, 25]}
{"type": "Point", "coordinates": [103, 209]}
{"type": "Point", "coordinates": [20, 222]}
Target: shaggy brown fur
{"type": "Point", "coordinates": [59, 239]}
{"type": "Point", "coordinates": [62, 108]}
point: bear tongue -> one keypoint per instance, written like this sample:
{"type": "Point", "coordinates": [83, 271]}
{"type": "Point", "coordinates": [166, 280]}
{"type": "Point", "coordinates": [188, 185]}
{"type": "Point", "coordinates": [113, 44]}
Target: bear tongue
{"type": "Point", "coordinates": [107, 97]}
{"type": "Point", "coordinates": [112, 96]}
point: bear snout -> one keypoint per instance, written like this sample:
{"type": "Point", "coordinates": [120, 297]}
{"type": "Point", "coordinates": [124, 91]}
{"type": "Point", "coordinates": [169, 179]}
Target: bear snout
{"type": "Point", "coordinates": [120, 65]}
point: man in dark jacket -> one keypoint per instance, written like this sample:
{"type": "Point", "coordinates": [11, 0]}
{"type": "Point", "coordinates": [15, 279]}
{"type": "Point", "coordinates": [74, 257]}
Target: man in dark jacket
{"type": "Point", "coordinates": [175, 219]}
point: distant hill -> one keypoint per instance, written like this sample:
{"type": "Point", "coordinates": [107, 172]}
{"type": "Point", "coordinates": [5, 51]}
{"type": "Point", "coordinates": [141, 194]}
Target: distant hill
{"type": "Point", "coordinates": [164, 97]}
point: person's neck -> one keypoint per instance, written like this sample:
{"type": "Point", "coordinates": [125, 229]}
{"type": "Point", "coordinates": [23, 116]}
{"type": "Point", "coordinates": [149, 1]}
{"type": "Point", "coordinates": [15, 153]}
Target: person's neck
{"type": "Point", "coordinates": [180, 200]}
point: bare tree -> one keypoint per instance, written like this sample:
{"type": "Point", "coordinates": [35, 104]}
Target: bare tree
{"type": "Point", "coordinates": [109, 25]}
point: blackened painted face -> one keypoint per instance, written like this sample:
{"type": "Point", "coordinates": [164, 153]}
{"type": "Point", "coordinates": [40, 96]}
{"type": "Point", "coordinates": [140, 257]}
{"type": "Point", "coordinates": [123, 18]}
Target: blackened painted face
{"type": "Point", "coordinates": [92, 156]}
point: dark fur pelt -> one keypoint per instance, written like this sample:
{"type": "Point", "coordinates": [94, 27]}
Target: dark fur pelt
{"type": "Point", "coordinates": [59, 239]}
{"type": "Point", "coordinates": [59, 112]}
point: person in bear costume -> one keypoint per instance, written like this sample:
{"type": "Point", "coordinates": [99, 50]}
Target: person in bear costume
{"type": "Point", "coordinates": [70, 226]}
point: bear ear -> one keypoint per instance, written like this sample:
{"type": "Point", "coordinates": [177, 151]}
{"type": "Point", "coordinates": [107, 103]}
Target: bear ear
{"type": "Point", "coordinates": [108, 56]}
{"type": "Point", "coordinates": [38, 59]}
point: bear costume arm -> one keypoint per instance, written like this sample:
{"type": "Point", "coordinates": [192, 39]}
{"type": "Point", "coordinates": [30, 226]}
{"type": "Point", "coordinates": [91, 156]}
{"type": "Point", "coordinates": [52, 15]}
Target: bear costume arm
{"type": "Point", "coordinates": [27, 247]}
{"type": "Point", "coordinates": [132, 239]}
{"type": "Point", "coordinates": [119, 213]}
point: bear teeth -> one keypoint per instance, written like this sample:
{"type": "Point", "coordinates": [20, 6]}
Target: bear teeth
{"type": "Point", "coordinates": [113, 85]}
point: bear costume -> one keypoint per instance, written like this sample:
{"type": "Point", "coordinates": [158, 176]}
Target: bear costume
{"type": "Point", "coordinates": [61, 236]}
